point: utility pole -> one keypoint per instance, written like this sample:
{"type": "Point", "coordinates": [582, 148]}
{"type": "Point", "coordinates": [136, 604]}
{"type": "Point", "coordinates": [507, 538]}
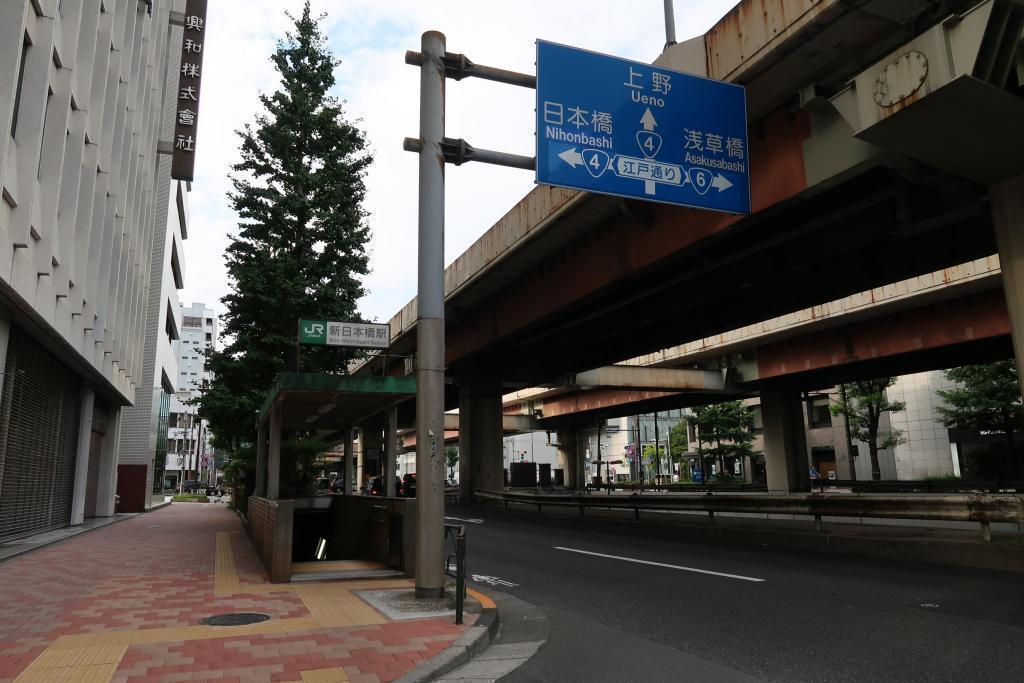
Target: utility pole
{"type": "Point", "coordinates": [670, 24]}
{"type": "Point", "coordinates": [434, 150]}
{"type": "Point", "coordinates": [430, 324]}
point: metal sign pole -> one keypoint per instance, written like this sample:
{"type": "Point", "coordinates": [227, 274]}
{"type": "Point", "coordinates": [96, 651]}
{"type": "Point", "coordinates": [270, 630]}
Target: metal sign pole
{"type": "Point", "coordinates": [430, 325]}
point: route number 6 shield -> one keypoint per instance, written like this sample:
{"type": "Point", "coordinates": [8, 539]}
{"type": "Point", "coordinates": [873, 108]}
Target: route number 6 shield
{"type": "Point", "coordinates": [701, 179]}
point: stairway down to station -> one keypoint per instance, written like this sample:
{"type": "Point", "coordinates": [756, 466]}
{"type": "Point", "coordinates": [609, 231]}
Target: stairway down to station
{"type": "Point", "coordinates": [339, 570]}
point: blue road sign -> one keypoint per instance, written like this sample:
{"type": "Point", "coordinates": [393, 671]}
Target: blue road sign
{"type": "Point", "coordinates": [630, 129]}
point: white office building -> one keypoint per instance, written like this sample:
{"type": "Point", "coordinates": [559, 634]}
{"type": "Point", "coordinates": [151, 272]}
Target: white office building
{"type": "Point", "coordinates": [189, 449]}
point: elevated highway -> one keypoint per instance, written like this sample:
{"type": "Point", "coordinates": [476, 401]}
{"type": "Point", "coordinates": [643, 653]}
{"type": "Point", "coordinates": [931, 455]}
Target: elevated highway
{"type": "Point", "coordinates": [885, 144]}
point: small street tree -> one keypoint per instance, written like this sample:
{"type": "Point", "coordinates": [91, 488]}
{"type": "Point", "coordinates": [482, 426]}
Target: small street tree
{"type": "Point", "coordinates": [862, 404]}
{"type": "Point", "coordinates": [451, 458]}
{"type": "Point", "coordinates": [301, 243]}
{"type": "Point", "coordinates": [724, 431]}
{"type": "Point", "coordinates": [986, 398]}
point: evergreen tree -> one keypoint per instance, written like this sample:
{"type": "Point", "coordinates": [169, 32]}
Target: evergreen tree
{"type": "Point", "coordinates": [301, 243]}
{"type": "Point", "coordinates": [725, 432]}
{"type": "Point", "coordinates": [863, 403]}
{"type": "Point", "coordinates": [987, 398]}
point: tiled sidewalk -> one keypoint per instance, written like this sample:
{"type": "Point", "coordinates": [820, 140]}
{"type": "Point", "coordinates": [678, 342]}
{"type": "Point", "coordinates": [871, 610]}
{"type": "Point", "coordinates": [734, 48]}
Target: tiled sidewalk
{"type": "Point", "coordinates": [124, 603]}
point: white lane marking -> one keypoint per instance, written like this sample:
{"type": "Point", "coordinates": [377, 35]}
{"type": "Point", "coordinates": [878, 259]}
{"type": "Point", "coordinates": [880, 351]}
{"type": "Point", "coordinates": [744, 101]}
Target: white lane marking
{"type": "Point", "coordinates": [493, 581]}
{"type": "Point", "coordinates": [468, 521]}
{"type": "Point", "coordinates": [661, 564]}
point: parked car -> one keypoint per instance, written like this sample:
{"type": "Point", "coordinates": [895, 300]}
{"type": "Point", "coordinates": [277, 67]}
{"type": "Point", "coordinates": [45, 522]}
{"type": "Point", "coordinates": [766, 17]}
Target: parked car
{"type": "Point", "coordinates": [408, 487]}
{"type": "Point", "coordinates": [212, 490]}
{"type": "Point", "coordinates": [376, 487]}
{"type": "Point", "coordinates": [322, 487]}
{"type": "Point", "coordinates": [338, 485]}
{"type": "Point", "coordinates": [192, 486]}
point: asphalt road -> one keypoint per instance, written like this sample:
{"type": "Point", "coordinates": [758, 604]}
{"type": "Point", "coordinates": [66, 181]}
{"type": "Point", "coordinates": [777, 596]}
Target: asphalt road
{"type": "Point", "coordinates": [759, 613]}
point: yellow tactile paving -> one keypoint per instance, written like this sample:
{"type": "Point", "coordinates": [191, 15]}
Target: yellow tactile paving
{"type": "Point", "coordinates": [335, 675]}
{"type": "Point", "coordinates": [335, 566]}
{"type": "Point", "coordinates": [83, 657]}
{"type": "Point", "coordinates": [333, 606]}
{"type": "Point", "coordinates": [95, 657]}
{"type": "Point", "coordinates": [226, 576]}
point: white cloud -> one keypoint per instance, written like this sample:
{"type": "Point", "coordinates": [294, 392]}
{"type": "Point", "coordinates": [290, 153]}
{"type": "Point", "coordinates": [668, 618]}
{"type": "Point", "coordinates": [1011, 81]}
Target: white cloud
{"type": "Point", "coordinates": [371, 37]}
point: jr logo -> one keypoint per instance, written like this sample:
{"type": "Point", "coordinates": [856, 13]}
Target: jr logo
{"type": "Point", "coordinates": [314, 329]}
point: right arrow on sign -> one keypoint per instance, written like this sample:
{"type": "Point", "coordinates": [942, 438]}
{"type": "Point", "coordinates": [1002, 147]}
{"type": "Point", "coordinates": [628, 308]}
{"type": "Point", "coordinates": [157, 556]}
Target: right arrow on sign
{"type": "Point", "coordinates": [721, 182]}
{"type": "Point", "coordinates": [571, 157]}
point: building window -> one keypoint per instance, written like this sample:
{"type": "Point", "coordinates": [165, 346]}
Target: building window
{"type": "Point", "coordinates": [758, 419]}
{"type": "Point", "coordinates": [209, 321]}
{"type": "Point", "coordinates": [209, 336]}
{"type": "Point", "coordinates": [21, 80]}
{"type": "Point", "coordinates": [818, 413]}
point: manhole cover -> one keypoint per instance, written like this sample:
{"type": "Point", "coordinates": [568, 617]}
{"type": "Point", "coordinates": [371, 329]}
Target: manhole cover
{"type": "Point", "coordinates": [237, 619]}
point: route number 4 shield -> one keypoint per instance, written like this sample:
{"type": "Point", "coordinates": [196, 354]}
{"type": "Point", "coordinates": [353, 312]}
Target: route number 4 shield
{"type": "Point", "coordinates": [596, 161]}
{"type": "Point", "coordinates": [650, 143]}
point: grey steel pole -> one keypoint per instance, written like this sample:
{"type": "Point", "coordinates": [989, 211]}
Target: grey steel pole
{"type": "Point", "coordinates": [347, 466]}
{"type": "Point", "coordinates": [670, 24]}
{"type": "Point", "coordinates": [390, 451]}
{"type": "Point", "coordinates": [430, 326]}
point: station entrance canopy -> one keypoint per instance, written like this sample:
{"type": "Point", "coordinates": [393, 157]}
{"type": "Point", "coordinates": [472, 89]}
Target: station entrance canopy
{"type": "Point", "coordinates": [324, 402]}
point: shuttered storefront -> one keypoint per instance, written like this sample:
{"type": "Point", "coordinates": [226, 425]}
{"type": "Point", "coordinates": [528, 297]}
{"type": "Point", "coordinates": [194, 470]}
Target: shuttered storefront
{"type": "Point", "coordinates": [39, 412]}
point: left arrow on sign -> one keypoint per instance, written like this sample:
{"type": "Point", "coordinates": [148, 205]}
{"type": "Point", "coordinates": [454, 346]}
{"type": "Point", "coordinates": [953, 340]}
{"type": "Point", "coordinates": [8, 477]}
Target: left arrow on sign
{"type": "Point", "coordinates": [571, 157]}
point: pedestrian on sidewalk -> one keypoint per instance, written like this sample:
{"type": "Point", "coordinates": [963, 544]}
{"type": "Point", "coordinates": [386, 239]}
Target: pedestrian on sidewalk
{"type": "Point", "coordinates": [815, 477]}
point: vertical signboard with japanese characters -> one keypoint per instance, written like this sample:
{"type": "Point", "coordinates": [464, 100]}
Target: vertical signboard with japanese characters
{"type": "Point", "coordinates": [186, 117]}
{"type": "Point", "coordinates": [625, 128]}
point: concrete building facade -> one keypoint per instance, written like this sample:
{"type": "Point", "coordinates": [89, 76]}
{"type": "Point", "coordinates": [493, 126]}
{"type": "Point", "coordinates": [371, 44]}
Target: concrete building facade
{"type": "Point", "coordinates": [86, 207]}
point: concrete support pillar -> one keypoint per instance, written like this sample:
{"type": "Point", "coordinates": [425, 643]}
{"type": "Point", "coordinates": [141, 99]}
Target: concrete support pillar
{"type": "Point", "coordinates": [372, 438]}
{"type": "Point", "coordinates": [391, 451]}
{"type": "Point", "coordinates": [348, 463]}
{"type": "Point", "coordinates": [785, 441]}
{"type": "Point", "coordinates": [274, 454]}
{"type": "Point", "coordinates": [106, 477]}
{"type": "Point", "coordinates": [569, 458]}
{"type": "Point", "coordinates": [82, 457]}
{"type": "Point", "coordinates": [1008, 218]}
{"type": "Point", "coordinates": [260, 488]}
{"type": "Point", "coordinates": [480, 442]}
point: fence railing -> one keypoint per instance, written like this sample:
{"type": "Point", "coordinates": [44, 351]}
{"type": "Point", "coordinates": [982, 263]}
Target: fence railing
{"type": "Point", "coordinates": [455, 563]}
{"type": "Point", "coordinates": [924, 486]}
{"type": "Point", "coordinates": [981, 508]}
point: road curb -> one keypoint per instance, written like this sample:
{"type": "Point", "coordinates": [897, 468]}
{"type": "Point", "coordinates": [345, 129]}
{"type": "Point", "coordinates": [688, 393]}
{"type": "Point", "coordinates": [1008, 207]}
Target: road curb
{"type": "Point", "coordinates": [467, 646]}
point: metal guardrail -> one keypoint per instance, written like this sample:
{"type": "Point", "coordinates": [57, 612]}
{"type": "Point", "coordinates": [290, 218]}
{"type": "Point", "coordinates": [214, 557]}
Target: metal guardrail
{"type": "Point", "coordinates": [981, 508]}
{"type": "Point", "coordinates": [924, 486]}
{"type": "Point", "coordinates": [455, 549]}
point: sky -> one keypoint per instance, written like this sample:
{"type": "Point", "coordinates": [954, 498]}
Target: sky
{"type": "Point", "coordinates": [381, 95]}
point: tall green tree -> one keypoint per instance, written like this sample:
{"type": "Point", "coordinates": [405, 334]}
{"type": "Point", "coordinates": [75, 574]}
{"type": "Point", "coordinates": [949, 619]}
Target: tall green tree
{"type": "Point", "coordinates": [725, 432]}
{"type": "Point", "coordinates": [986, 398]}
{"type": "Point", "coordinates": [300, 249]}
{"type": "Point", "coordinates": [862, 404]}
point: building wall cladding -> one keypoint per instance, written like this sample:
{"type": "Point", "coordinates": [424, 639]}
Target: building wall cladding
{"type": "Point", "coordinates": [86, 93]}
{"type": "Point", "coordinates": [80, 203]}
{"type": "Point", "coordinates": [139, 435]}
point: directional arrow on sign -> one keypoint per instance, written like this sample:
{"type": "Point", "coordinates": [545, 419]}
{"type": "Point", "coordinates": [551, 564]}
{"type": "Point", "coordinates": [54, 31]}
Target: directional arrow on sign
{"type": "Point", "coordinates": [721, 183]}
{"type": "Point", "coordinates": [650, 143]}
{"type": "Point", "coordinates": [647, 120]}
{"type": "Point", "coordinates": [571, 157]}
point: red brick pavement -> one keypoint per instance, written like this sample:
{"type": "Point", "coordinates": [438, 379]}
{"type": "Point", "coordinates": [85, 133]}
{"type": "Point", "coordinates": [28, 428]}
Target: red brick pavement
{"type": "Point", "coordinates": [156, 571]}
